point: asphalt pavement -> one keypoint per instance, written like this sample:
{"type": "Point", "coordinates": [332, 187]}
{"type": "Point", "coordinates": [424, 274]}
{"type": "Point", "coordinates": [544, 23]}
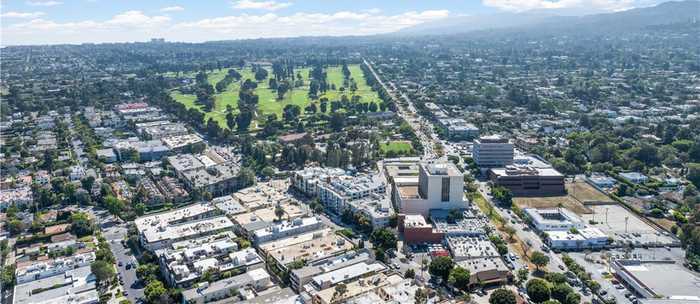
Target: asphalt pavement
{"type": "Point", "coordinates": [114, 235]}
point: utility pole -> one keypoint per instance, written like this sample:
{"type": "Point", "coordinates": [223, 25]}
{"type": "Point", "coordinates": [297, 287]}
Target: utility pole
{"type": "Point", "coordinates": [626, 221]}
{"type": "Point", "coordinates": [606, 216]}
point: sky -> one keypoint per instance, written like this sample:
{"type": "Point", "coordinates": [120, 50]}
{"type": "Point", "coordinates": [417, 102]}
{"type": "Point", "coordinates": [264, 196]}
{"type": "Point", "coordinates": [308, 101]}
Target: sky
{"type": "Point", "coordinates": [28, 22]}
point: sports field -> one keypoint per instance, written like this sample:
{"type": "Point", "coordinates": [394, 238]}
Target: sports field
{"type": "Point", "coordinates": [396, 148]}
{"type": "Point", "coordinates": [268, 102]}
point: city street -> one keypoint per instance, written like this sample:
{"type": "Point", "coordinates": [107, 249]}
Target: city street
{"type": "Point", "coordinates": [536, 244]}
{"type": "Point", "coordinates": [409, 115]}
{"type": "Point", "coordinates": [115, 233]}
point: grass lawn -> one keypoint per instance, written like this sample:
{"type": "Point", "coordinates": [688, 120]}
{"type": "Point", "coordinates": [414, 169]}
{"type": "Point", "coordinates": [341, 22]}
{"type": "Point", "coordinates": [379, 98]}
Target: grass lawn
{"type": "Point", "coordinates": [401, 147]}
{"type": "Point", "coordinates": [268, 102]}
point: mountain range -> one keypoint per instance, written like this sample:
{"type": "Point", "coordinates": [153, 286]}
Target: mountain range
{"type": "Point", "coordinates": [547, 21]}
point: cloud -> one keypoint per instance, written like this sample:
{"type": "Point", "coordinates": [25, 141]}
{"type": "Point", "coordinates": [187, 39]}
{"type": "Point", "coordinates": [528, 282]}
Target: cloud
{"type": "Point", "coordinates": [373, 11]}
{"type": "Point", "coordinates": [261, 5]}
{"type": "Point", "coordinates": [137, 26]}
{"type": "Point", "coordinates": [308, 24]}
{"type": "Point", "coordinates": [126, 20]}
{"type": "Point", "coordinates": [524, 5]}
{"type": "Point", "coordinates": [136, 19]}
{"type": "Point", "coordinates": [44, 2]}
{"type": "Point", "coordinates": [21, 15]}
{"type": "Point", "coordinates": [175, 8]}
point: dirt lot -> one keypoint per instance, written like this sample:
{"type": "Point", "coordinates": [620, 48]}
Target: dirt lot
{"type": "Point", "coordinates": [665, 223]}
{"type": "Point", "coordinates": [579, 192]}
{"type": "Point", "coordinates": [566, 201]}
{"type": "Point", "coordinates": [585, 193]}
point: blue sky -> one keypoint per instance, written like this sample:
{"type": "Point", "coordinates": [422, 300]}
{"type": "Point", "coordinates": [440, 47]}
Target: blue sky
{"type": "Point", "coordinates": [77, 21]}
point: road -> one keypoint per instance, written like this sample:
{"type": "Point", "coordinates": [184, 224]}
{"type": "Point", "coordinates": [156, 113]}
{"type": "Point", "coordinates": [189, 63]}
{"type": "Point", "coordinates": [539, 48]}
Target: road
{"type": "Point", "coordinates": [407, 111]}
{"type": "Point", "coordinates": [114, 234]}
{"type": "Point", "coordinates": [556, 264]}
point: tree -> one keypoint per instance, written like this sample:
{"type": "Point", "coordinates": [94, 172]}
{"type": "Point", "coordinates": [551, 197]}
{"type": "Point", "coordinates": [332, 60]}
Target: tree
{"type": "Point", "coordinates": [260, 74]}
{"type": "Point", "coordinates": [555, 278]}
{"type": "Point", "coordinates": [81, 224]}
{"type": "Point", "coordinates": [87, 182]}
{"type": "Point", "coordinates": [279, 212]}
{"type": "Point", "coordinates": [268, 171]}
{"type": "Point", "coordinates": [539, 259]}
{"type": "Point", "coordinates": [15, 226]}
{"type": "Point", "coordinates": [510, 231]}
{"type": "Point", "coordinates": [318, 209]}
{"type": "Point", "coordinates": [147, 272]}
{"type": "Point", "coordinates": [409, 274]}
{"type": "Point", "coordinates": [155, 292]}
{"type": "Point", "coordinates": [694, 173]}
{"type": "Point", "coordinates": [337, 121]}
{"type": "Point", "coordinates": [140, 209]}
{"type": "Point", "coordinates": [291, 112]}
{"type": "Point", "coordinates": [379, 254]}
{"type": "Point", "coordinates": [459, 278]}
{"type": "Point", "coordinates": [246, 177]}
{"type": "Point", "coordinates": [538, 290]}
{"type": "Point", "coordinates": [560, 291]}
{"type": "Point", "coordinates": [594, 286]}
{"type": "Point", "coordinates": [114, 205]}
{"type": "Point", "coordinates": [522, 275]}
{"type": "Point", "coordinates": [572, 298]}
{"type": "Point", "coordinates": [103, 271]}
{"type": "Point", "coordinates": [420, 296]}
{"type": "Point", "coordinates": [441, 267]}
{"type": "Point", "coordinates": [383, 238]}
{"type": "Point", "coordinates": [340, 289]}
{"type": "Point", "coordinates": [502, 296]}
{"type": "Point", "coordinates": [503, 195]}
{"type": "Point", "coordinates": [7, 276]}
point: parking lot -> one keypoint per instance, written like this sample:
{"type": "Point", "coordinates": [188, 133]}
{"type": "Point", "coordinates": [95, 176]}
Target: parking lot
{"type": "Point", "coordinates": [596, 264]}
{"type": "Point", "coordinates": [626, 227]}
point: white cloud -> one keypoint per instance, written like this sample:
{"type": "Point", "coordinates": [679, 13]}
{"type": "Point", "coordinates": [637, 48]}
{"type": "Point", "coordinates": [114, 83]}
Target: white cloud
{"type": "Point", "coordinates": [137, 19]}
{"type": "Point", "coordinates": [175, 8]}
{"type": "Point", "coordinates": [136, 26]}
{"type": "Point", "coordinates": [21, 15]}
{"type": "Point", "coordinates": [44, 2]}
{"type": "Point", "coordinates": [126, 20]}
{"type": "Point", "coordinates": [524, 5]}
{"type": "Point", "coordinates": [262, 5]}
{"type": "Point", "coordinates": [308, 24]}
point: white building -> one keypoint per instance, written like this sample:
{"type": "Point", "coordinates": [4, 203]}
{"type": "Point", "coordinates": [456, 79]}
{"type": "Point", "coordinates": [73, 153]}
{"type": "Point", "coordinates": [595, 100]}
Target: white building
{"type": "Point", "coordinates": [493, 152]}
{"type": "Point", "coordinates": [338, 191]}
{"type": "Point", "coordinates": [77, 173]}
{"type": "Point", "coordinates": [75, 286]}
{"type": "Point", "coordinates": [158, 231]}
{"type": "Point", "coordinates": [257, 279]}
{"type": "Point", "coordinates": [440, 186]}
{"type": "Point", "coordinates": [45, 269]}
{"type": "Point", "coordinates": [565, 230]}
{"type": "Point", "coordinates": [185, 262]}
{"type": "Point", "coordinates": [585, 238]}
{"type": "Point", "coordinates": [659, 281]}
{"type": "Point", "coordinates": [554, 219]}
{"type": "Point", "coordinates": [286, 229]}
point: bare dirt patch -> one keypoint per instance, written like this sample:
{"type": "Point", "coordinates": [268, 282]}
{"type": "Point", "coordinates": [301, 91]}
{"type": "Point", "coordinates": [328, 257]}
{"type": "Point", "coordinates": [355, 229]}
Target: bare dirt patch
{"type": "Point", "coordinates": [564, 201]}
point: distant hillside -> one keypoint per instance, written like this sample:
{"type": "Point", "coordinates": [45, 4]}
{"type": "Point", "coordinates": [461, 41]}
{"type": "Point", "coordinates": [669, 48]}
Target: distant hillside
{"type": "Point", "coordinates": [664, 13]}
